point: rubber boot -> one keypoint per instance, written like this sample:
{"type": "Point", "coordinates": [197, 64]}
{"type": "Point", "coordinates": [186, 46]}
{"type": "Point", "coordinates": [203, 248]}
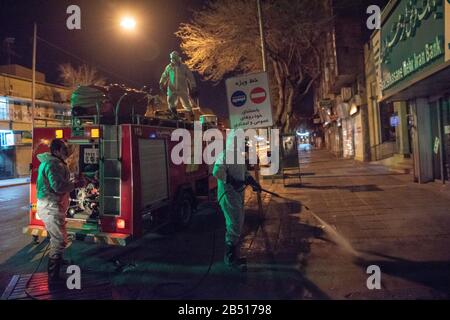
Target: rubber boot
{"type": "Point", "coordinates": [53, 269]}
{"type": "Point", "coordinates": [232, 257]}
{"type": "Point", "coordinates": [173, 114]}
{"type": "Point", "coordinates": [229, 254]}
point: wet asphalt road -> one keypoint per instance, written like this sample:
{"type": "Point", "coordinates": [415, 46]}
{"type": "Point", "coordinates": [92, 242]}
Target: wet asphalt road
{"type": "Point", "coordinates": [157, 255]}
{"type": "Point", "coordinates": [14, 202]}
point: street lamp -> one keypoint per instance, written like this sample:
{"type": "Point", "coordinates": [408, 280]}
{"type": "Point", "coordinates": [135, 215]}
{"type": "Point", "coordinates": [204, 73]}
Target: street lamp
{"type": "Point", "coordinates": [128, 23]}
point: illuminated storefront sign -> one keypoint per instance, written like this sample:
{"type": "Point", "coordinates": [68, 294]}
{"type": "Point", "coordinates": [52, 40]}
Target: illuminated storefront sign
{"type": "Point", "coordinates": [412, 40]}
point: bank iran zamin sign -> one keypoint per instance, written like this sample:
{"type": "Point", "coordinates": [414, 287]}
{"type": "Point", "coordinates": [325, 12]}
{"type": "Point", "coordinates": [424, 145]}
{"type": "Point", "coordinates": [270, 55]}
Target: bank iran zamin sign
{"type": "Point", "coordinates": [412, 40]}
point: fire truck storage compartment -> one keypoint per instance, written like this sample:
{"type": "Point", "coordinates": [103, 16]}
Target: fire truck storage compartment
{"type": "Point", "coordinates": [153, 173]}
{"type": "Point", "coordinates": [84, 159]}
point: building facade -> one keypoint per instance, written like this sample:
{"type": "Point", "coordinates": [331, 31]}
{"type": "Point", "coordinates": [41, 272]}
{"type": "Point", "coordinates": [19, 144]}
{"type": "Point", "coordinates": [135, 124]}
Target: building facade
{"type": "Point", "coordinates": [388, 133]}
{"type": "Point", "coordinates": [16, 116]}
{"type": "Point", "coordinates": [340, 97]}
{"type": "Point", "coordinates": [414, 91]}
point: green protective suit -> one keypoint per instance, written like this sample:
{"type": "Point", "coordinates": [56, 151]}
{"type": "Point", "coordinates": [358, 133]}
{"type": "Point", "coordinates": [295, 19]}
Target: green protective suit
{"type": "Point", "coordinates": [231, 200]}
{"type": "Point", "coordinates": [179, 80]}
{"type": "Point", "coordinates": [53, 187]}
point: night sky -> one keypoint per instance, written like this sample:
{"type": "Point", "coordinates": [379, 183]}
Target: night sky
{"type": "Point", "coordinates": [134, 59]}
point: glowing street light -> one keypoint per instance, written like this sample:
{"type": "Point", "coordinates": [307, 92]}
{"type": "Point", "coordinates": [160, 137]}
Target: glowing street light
{"type": "Point", "coordinates": [128, 23]}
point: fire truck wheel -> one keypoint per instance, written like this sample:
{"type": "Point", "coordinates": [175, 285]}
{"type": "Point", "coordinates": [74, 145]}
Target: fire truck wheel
{"type": "Point", "coordinates": [184, 210]}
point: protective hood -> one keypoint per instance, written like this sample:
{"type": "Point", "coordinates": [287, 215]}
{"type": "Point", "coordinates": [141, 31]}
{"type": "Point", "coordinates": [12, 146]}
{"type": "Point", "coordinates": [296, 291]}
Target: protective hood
{"type": "Point", "coordinates": [46, 156]}
{"type": "Point", "coordinates": [175, 57]}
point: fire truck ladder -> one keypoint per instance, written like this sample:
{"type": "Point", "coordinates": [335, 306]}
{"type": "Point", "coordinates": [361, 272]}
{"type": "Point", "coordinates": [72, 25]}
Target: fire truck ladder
{"type": "Point", "coordinates": [110, 170]}
{"type": "Point", "coordinates": [110, 165]}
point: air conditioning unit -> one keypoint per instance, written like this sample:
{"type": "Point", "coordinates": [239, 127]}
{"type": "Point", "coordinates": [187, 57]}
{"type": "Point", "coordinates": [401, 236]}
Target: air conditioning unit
{"type": "Point", "coordinates": [346, 93]}
{"type": "Point", "coordinates": [8, 138]}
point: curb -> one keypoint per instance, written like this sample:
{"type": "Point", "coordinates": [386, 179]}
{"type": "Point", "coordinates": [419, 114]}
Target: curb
{"type": "Point", "coordinates": [14, 184]}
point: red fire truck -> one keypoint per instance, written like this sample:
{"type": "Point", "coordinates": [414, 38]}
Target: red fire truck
{"type": "Point", "coordinates": [125, 157]}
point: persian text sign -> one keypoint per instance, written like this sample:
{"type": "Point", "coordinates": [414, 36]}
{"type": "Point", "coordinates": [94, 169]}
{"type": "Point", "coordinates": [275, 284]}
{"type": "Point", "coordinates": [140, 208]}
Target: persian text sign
{"type": "Point", "coordinates": [249, 101]}
{"type": "Point", "coordinates": [412, 41]}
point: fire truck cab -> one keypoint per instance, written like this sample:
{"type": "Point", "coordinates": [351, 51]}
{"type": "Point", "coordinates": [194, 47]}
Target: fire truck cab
{"type": "Point", "coordinates": [132, 182]}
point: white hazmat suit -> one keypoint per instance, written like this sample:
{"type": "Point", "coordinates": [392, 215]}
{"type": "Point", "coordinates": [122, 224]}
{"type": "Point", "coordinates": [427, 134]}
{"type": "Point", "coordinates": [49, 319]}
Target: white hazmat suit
{"type": "Point", "coordinates": [53, 188]}
{"type": "Point", "coordinates": [232, 179]}
{"type": "Point", "coordinates": [179, 81]}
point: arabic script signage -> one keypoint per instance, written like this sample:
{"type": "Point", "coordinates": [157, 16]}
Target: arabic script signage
{"type": "Point", "coordinates": [412, 41]}
{"type": "Point", "coordinates": [249, 103]}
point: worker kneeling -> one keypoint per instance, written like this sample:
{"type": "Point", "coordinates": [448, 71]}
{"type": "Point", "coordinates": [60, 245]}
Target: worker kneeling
{"type": "Point", "coordinates": [232, 180]}
{"type": "Point", "coordinates": [53, 189]}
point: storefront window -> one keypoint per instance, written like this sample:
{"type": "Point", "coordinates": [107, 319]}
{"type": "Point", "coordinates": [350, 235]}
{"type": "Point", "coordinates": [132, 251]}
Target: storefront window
{"type": "Point", "coordinates": [388, 119]}
{"type": "Point", "coordinates": [4, 110]}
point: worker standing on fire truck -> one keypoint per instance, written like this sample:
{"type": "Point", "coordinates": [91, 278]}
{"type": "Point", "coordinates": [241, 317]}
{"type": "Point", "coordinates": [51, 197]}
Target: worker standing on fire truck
{"type": "Point", "coordinates": [232, 180]}
{"type": "Point", "coordinates": [53, 188]}
{"type": "Point", "coordinates": [180, 82]}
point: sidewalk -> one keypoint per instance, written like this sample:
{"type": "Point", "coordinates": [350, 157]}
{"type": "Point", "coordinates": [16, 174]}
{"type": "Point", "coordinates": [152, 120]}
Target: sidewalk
{"type": "Point", "coordinates": [13, 182]}
{"type": "Point", "coordinates": [314, 243]}
{"type": "Point", "coordinates": [360, 215]}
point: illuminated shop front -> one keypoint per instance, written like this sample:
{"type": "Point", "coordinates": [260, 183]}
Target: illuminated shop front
{"type": "Point", "coordinates": [415, 69]}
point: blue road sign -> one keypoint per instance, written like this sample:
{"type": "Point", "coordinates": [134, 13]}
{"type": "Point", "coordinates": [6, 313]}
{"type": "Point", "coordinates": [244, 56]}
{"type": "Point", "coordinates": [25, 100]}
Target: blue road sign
{"type": "Point", "coordinates": [238, 98]}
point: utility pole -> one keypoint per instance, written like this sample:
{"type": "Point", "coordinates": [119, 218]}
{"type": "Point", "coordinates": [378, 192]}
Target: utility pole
{"type": "Point", "coordinates": [263, 53]}
{"type": "Point", "coordinates": [261, 34]}
{"type": "Point", "coordinates": [33, 81]}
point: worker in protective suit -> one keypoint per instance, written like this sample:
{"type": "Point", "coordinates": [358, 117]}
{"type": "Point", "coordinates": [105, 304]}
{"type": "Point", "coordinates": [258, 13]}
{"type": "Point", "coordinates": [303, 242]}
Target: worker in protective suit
{"type": "Point", "coordinates": [53, 188]}
{"type": "Point", "coordinates": [232, 179]}
{"type": "Point", "coordinates": [180, 83]}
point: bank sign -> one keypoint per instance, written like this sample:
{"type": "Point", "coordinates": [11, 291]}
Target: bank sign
{"type": "Point", "coordinates": [412, 41]}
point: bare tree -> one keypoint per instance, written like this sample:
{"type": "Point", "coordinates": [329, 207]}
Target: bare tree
{"type": "Point", "coordinates": [223, 38]}
{"type": "Point", "coordinates": [83, 75]}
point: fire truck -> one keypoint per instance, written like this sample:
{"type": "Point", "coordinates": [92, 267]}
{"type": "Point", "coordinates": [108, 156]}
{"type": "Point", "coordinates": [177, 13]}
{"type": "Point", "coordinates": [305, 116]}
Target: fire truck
{"type": "Point", "coordinates": [125, 158]}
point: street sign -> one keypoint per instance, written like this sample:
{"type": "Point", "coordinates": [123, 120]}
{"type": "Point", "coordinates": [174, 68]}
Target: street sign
{"type": "Point", "coordinates": [249, 101]}
{"type": "Point", "coordinates": [258, 95]}
{"type": "Point", "coordinates": [238, 99]}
